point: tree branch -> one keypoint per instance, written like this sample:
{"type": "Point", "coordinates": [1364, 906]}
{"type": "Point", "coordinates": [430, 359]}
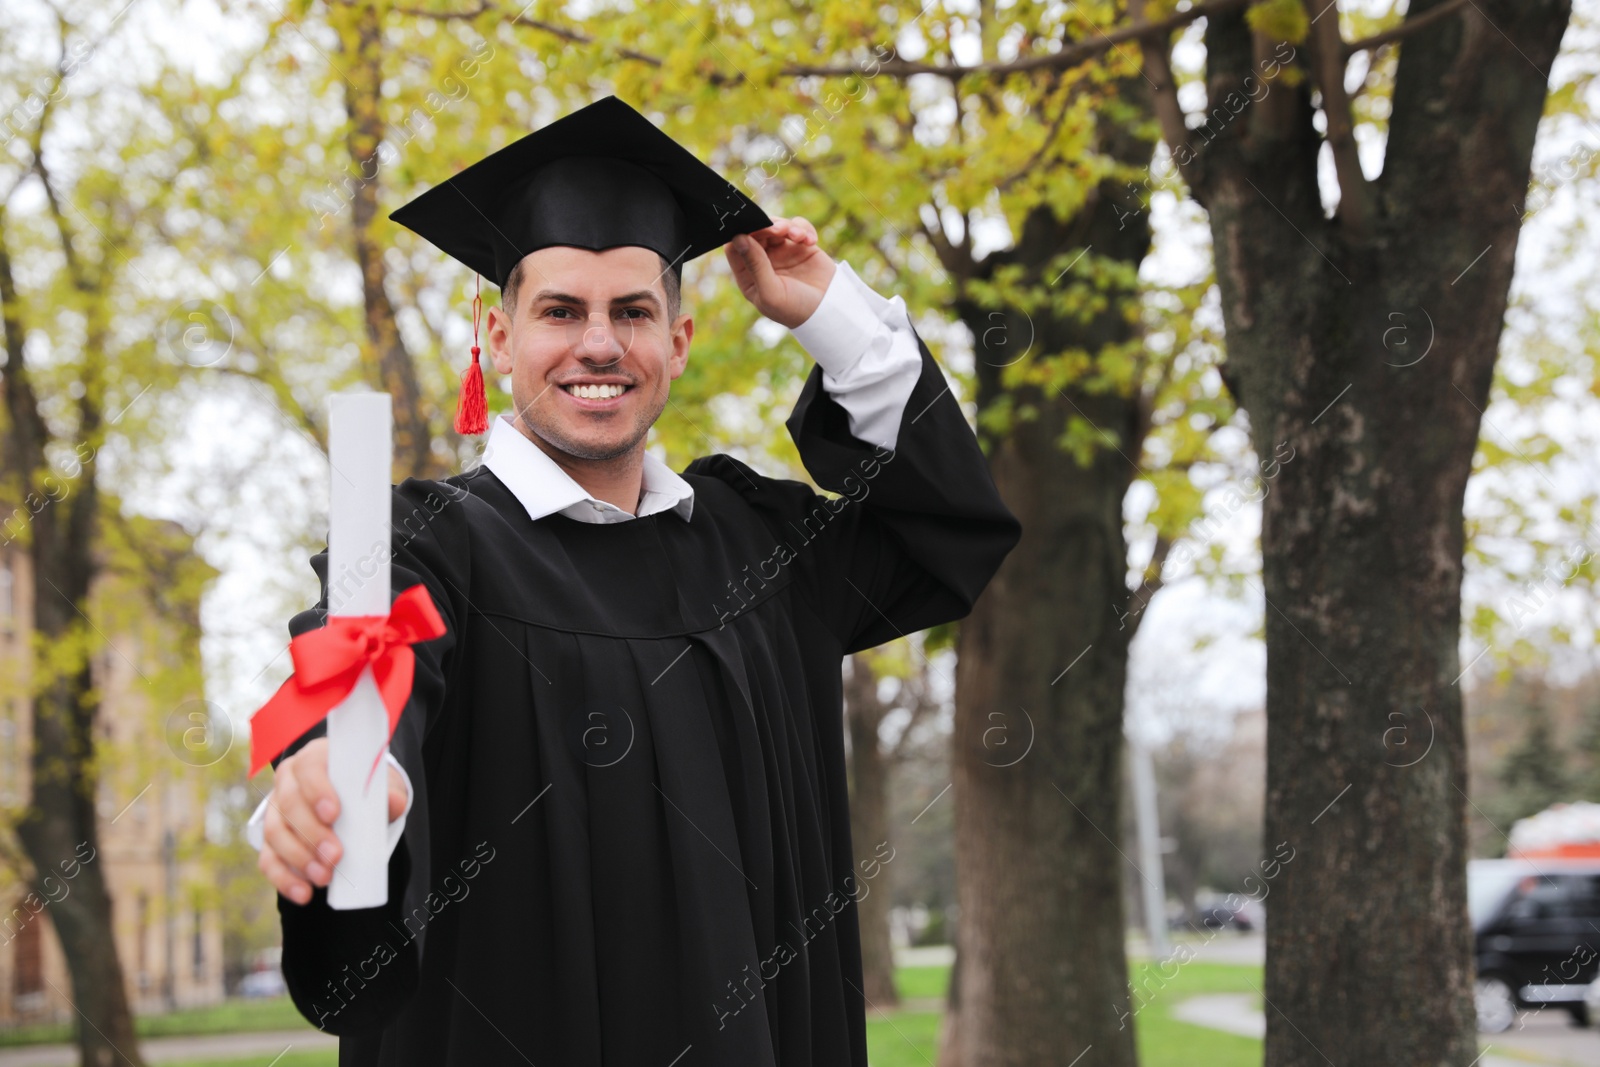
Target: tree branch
{"type": "Point", "coordinates": [448, 16]}
{"type": "Point", "coordinates": [922, 705]}
{"type": "Point", "coordinates": [69, 249]}
{"type": "Point", "coordinates": [287, 402]}
{"type": "Point", "coordinates": [1064, 59]}
{"type": "Point", "coordinates": [1067, 57]}
{"type": "Point", "coordinates": [1156, 51]}
{"type": "Point", "coordinates": [575, 37]}
{"type": "Point", "coordinates": [25, 441]}
{"type": "Point", "coordinates": [1329, 57]}
{"type": "Point", "coordinates": [1150, 586]}
{"type": "Point", "coordinates": [1005, 184]}
{"type": "Point", "coordinates": [1405, 29]}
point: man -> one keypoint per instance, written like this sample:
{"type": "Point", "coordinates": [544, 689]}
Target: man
{"type": "Point", "coordinates": [618, 801]}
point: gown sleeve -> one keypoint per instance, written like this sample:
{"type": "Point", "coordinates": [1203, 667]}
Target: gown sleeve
{"type": "Point", "coordinates": [868, 354]}
{"type": "Point", "coordinates": [354, 970]}
{"type": "Point", "coordinates": [918, 530]}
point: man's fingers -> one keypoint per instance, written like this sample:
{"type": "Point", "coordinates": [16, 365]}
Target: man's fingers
{"type": "Point", "coordinates": [771, 235]}
{"type": "Point", "coordinates": [752, 270]}
{"type": "Point", "coordinates": [283, 837]}
{"type": "Point", "coordinates": [302, 844]}
{"type": "Point", "coordinates": [299, 849]}
{"type": "Point", "coordinates": [311, 775]}
{"type": "Point", "coordinates": [282, 878]}
{"type": "Point", "coordinates": [800, 231]}
{"type": "Point", "coordinates": [761, 266]}
{"type": "Point", "coordinates": [397, 795]}
{"type": "Point", "coordinates": [797, 230]}
{"type": "Point", "coordinates": [306, 805]}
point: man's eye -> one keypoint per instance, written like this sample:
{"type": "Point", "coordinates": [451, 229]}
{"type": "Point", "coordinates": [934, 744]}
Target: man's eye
{"type": "Point", "coordinates": [552, 311]}
{"type": "Point", "coordinates": [641, 311]}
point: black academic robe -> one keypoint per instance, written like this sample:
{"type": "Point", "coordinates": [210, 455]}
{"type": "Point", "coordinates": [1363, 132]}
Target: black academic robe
{"type": "Point", "coordinates": [629, 843]}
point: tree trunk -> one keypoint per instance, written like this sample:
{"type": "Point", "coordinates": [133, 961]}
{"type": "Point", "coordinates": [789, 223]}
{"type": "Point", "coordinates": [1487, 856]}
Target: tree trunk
{"type": "Point", "coordinates": [58, 830]}
{"type": "Point", "coordinates": [60, 835]}
{"type": "Point", "coordinates": [390, 364]}
{"type": "Point", "coordinates": [1368, 349]}
{"type": "Point", "coordinates": [869, 829]}
{"type": "Point", "coordinates": [1038, 748]}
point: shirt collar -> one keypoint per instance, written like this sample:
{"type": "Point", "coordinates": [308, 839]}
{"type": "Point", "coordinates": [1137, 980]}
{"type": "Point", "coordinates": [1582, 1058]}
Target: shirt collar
{"type": "Point", "coordinates": [542, 487]}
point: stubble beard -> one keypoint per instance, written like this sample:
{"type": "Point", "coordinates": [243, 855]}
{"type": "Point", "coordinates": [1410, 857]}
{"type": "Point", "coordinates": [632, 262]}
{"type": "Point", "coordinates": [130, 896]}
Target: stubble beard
{"type": "Point", "coordinates": [549, 431]}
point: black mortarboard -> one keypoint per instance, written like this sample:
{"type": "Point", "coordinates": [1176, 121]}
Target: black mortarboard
{"type": "Point", "coordinates": [600, 177]}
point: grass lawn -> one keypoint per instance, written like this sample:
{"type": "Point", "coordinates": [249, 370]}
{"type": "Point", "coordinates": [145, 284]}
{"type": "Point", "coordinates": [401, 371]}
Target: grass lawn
{"type": "Point", "coordinates": [234, 1016]}
{"type": "Point", "coordinates": [320, 1058]}
{"type": "Point", "coordinates": [910, 1039]}
{"type": "Point", "coordinates": [1165, 1042]}
{"type": "Point", "coordinates": [904, 1039]}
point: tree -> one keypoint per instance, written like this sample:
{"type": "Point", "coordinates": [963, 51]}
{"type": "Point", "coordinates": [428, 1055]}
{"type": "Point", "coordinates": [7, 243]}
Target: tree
{"type": "Point", "coordinates": [873, 758]}
{"type": "Point", "coordinates": [61, 815]}
{"type": "Point", "coordinates": [72, 374]}
{"type": "Point", "coordinates": [1362, 542]}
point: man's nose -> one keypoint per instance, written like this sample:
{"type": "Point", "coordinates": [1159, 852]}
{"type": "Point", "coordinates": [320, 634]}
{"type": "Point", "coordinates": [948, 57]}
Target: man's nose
{"type": "Point", "coordinates": [603, 338]}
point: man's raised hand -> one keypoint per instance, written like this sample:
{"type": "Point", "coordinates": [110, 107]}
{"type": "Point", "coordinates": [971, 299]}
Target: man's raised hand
{"type": "Point", "coordinates": [299, 847]}
{"type": "Point", "coordinates": [781, 270]}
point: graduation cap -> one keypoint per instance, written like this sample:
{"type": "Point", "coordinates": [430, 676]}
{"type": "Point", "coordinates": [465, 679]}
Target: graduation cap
{"type": "Point", "coordinates": [598, 178]}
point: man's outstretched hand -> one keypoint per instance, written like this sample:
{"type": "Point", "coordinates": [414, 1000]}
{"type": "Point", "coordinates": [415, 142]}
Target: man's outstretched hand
{"type": "Point", "coordinates": [781, 270]}
{"type": "Point", "coordinates": [299, 846]}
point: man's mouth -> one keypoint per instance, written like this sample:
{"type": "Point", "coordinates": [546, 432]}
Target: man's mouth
{"type": "Point", "coordinates": [596, 392]}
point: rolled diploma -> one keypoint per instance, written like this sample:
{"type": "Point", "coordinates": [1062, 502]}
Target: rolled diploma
{"type": "Point", "coordinates": [359, 449]}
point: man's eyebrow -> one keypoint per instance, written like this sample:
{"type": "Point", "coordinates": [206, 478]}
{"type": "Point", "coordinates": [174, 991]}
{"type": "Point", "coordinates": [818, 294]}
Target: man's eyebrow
{"type": "Point", "coordinates": [643, 296]}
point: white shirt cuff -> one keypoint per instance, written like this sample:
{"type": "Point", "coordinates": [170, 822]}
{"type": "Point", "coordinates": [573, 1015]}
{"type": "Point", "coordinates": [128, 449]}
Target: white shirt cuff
{"type": "Point", "coordinates": [255, 828]}
{"type": "Point", "coordinates": [868, 354]}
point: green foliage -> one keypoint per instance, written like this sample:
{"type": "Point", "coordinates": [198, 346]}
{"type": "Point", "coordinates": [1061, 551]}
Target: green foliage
{"type": "Point", "coordinates": [1281, 20]}
{"type": "Point", "coordinates": [895, 174]}
{"type": "Point", "coordinates": [1585, 780]}
{"type": "Point", "coordinates": [1533, 775]}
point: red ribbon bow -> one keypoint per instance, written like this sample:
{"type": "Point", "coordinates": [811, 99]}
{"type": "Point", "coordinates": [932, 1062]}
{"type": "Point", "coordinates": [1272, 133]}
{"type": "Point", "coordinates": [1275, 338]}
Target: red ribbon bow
{"type": "Point", "coordinates": [328, 662]}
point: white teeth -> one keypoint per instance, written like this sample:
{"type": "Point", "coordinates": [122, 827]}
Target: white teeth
{"type": "Point", "coordinates": [596, 392]}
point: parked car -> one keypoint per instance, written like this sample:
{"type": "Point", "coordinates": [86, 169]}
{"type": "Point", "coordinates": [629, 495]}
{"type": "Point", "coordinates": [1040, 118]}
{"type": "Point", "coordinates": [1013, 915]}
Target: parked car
{"type": "Point", "coordinates": [1536, 924]}
{"type": "Point", "coordinates": [263, 984]}
{"type": "Point", "coordinates": [1225, 913]}
{"type": "Point", "coordinates": [1218, 917]}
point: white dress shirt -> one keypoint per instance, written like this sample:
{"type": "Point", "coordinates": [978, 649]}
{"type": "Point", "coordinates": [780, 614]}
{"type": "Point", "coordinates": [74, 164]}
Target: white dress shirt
{"type": "Point", "coordinates": [870, 363]}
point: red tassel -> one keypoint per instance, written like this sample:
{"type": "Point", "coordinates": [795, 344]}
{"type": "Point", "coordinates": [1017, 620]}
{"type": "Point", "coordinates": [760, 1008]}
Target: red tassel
{"type": "Point", "coordinates": [472, 407]}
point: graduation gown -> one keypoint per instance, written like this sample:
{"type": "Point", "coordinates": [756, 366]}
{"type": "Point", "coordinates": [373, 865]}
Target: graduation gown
{"type": "Point", "coordinates": [629, 841]}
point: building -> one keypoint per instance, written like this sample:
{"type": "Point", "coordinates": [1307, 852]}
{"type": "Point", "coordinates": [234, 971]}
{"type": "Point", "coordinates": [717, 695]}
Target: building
{"type": "Point", "coordinates": [166, 914]}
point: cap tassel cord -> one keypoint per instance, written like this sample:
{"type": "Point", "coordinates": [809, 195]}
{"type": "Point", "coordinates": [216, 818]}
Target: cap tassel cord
{"type": "Point", "coordinates": [472, 407]}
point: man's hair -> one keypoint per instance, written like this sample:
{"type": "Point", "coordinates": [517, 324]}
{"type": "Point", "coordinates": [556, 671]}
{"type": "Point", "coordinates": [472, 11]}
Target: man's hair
{"type": "Point", "coordinates": [670, 281]}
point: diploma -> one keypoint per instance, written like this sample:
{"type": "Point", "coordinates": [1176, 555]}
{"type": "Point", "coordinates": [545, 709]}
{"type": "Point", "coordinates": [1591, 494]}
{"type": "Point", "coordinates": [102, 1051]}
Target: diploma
{"type": "Point", "coordinates": [360, 430]}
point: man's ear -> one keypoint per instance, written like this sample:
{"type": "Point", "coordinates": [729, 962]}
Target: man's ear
{"type": "Point", "coordinates": [682, 334]}
{"type": "Point", "coordinates": [500, 340]}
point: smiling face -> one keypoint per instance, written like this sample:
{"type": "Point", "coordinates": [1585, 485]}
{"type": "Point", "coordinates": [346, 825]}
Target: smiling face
{"type": "Point", "coordinates": [590, 348]}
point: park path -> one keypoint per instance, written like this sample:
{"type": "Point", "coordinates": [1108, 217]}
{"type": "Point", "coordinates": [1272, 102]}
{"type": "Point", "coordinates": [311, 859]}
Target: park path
{"type": "Point", "coordinates": [1546, 1038]}
{"type": "Point", "coordinates": [177, 1049]}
